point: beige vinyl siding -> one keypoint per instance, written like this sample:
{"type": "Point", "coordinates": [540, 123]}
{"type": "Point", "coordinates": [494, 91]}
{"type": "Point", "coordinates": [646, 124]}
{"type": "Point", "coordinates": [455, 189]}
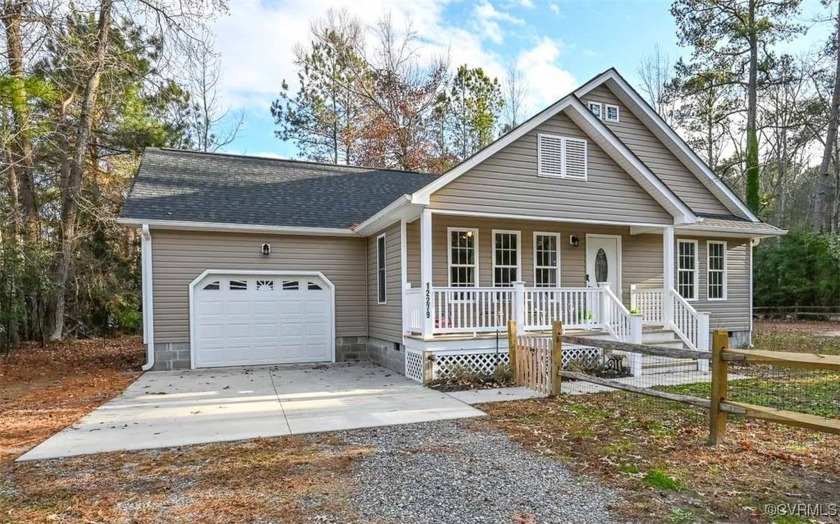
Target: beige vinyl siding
{"type": "Point", "coordinates": [641, 254]}
{"type": "Point", "coordinates": [412, 248]}
{"type": "Point", "coordinates": [508, 183]}
{"type": "Point", "coordinates": [732, 314]}
{"type": "Point", "coordinates": [178, 257]}
{"type": "Point", "coordinates": [385, 320]}
{"type": "Point", "coordinates": [656, 156]}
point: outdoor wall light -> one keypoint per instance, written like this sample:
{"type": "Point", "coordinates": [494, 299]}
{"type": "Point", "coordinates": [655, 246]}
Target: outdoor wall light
{"type": "Point", "coordinates": [266, 249]}
{"type": "Point", "coordinates": [574, 240]}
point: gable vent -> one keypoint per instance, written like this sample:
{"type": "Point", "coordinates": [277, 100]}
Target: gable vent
{"type": "Point", "coordinates": [561, 157]}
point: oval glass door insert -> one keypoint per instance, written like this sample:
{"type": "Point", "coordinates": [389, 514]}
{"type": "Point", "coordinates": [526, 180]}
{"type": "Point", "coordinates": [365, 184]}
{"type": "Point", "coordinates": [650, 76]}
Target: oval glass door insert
{"type": "Point", "coordinates": [602, 269]}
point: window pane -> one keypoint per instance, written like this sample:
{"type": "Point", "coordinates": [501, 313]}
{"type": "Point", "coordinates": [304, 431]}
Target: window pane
{"type": "Point", "coordinates": [238, 285]}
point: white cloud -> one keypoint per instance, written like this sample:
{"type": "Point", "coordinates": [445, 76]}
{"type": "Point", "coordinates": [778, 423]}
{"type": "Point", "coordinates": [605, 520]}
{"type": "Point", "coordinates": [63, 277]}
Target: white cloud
{"type": "Point", "coordinates": [527, 4]}
{"type": "Point", "coordinates": [488, 20]}
{"type": "Point", "coordinates": [554, 9]}
{"type": "Point", "coordinates": [547, 80]}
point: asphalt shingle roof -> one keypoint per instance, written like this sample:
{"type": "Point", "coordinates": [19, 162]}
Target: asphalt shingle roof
{"type": "Point", "coordinates": [208, 187]}
{"type": "Point", "coordinates": [734, 222]}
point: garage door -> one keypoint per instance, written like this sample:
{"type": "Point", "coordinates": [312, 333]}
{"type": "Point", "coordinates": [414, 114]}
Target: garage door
{"type": "Point", "coordinates": [262, 319]}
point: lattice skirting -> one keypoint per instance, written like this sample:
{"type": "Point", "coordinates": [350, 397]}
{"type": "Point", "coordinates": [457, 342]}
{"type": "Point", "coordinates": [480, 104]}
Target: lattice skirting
{"type": "Point", "coordinates": [414, 364]}
{"type": "Point", "coordinates": [482, 361]}
{"type": "Point", "coordinates": [574, 352]}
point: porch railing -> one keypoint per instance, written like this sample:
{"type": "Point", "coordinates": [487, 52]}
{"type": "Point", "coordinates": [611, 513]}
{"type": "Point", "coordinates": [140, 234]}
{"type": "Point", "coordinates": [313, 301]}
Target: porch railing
{"type": "Point", "coordinates": [577, 308]}
{"type": "Point", "coordinates": [413, 309]}
{"type": "Point", "coordinates": [689, 324]}
{"type": "Point", "coordinates": [649, 303]}
{"type": "Point", "coordinates": [471, 309]}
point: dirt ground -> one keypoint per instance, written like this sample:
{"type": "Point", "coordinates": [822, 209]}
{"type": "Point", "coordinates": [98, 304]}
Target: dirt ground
{"type": "Point", "coordinates": [655, 451]}
{"type": "Point", "coordinates": [45, 389]}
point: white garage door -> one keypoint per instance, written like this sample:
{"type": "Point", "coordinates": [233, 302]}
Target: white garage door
{"type": "Point", "coordinates": [262, 319]}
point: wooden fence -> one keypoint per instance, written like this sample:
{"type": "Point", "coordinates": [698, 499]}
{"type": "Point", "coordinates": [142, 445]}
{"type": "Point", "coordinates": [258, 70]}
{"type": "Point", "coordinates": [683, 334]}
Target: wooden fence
{"type": "Point", "coordinates": [798, 312]}
{"type": "Point", "coordinates": [536, 363]}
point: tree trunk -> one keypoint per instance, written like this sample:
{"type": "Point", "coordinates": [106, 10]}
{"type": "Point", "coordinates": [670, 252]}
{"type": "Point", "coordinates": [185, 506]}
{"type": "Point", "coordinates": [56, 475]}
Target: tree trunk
{"type": "Point", "coordinates": [20, 153]}
{"type": "Point", "coordinates": [71, 192]}
{"type": "Point", "coordinates": [753, 182]}
{"type": "Point", "coordinates": [818, 214]}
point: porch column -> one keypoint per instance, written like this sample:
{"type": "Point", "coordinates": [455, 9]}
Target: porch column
{"type": "Point", "coordinates": [519, 305]}
{"type": "Point", "coordinates": [703, 334]}
{"type": "Point", "coordinates": [426, 274]}
{"type": "Point", "coordinates": [668, 275]}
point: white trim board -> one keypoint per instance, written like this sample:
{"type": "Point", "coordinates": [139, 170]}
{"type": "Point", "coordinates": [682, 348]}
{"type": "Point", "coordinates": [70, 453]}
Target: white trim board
{"type": "Point", "coordinates": [258, 272]}
{"type": "Point", "coordinates": [239, 228]}
{"type": "Point", "coordinates": [455, 212]}
{"type": "Point", "coordinates": [711, 180]}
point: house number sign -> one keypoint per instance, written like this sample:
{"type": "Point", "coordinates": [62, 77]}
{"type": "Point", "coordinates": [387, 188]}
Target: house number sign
{"type": "Point", "coordinates": [428, 301]}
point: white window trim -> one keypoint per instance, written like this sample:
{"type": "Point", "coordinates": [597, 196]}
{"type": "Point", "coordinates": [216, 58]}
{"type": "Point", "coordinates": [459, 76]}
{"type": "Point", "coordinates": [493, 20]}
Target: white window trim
{"type": "Point", "coordinates": [585, 176]}
{"type": "Point", "coordinates": [607, 107]}
{"type": "Point", "coordinates": [696, 270]}
{"type": "Point", "coordinates": [558, 237]}
{"type": "Point", "coordinates": [725, 269]}
{"type": "Point", "coordinates": [518, 253]}
{"type": "Point", "coordinates": [476, 245]}
{"type": "Point", "coordinates": [600, 114]}
{"type": "Point", "coordinates": [382, 272]}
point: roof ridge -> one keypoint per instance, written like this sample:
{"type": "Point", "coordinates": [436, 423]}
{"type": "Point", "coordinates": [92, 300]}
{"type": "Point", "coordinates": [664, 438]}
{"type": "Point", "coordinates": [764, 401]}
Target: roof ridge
{"type": "Point", "coordinates": [289, 160]}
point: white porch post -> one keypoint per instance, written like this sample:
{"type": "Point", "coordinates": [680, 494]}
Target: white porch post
{"type": "Point", "coordinates": [519, 305]}
{"type": "Point", "coordinates": [426, 274]}
{"type": "Point", "coordinates": [635, 338]}
{"type": "Point", "coordinates": [703, 339]}
{"type": "Point", "coordinates": [668, 275]}
{"type": "Point", "coordinates": [604, 304]}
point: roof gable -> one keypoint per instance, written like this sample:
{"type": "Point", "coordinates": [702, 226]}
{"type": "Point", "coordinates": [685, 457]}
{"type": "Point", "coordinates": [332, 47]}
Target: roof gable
{"type": "Point", "coordinates": [575, 110]}
{"type": "Point", "coordinates": [669, 138]}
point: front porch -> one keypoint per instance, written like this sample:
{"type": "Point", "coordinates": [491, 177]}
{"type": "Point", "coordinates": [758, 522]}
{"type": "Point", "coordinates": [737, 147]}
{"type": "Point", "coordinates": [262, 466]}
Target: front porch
{"type": "Point", "coordinates": [616, 285]}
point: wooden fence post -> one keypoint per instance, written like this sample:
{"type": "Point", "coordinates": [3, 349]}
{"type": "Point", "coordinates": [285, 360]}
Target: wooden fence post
{"type": "Point", "coordinates": [511, 327]}
{"type": "Point", "coordinates": [556, 356]}
{"type": "Point", "coordinates": [720, 387]}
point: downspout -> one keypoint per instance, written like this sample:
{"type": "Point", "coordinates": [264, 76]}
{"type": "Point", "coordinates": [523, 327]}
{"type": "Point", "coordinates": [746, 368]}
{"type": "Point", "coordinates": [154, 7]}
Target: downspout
{"type": "Point", "coordinates": [148, 308]}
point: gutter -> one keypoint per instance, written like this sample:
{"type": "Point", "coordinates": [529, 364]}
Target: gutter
{"type": "Point", "coordinates": [241, 228]}
{"type": "Point", "coordinates": [148, 303]}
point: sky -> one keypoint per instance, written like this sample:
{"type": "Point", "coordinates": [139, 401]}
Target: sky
{"type": "Point", "coordinates": [556, 44]}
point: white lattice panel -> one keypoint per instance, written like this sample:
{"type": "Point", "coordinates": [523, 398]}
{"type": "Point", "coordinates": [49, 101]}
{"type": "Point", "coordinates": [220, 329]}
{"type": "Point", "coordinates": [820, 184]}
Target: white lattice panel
{"type": "Point", "coordinates": [482, 361]}
{"type": "Point", "coordinates": [414, 364]}
{"type": "Point", "coordinates": [574, 352]}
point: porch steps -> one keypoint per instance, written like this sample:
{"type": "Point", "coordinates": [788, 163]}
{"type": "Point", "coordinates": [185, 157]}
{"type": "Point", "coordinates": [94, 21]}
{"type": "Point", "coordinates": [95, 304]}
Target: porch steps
{"type": "Point", "coordinates": [662, 337]}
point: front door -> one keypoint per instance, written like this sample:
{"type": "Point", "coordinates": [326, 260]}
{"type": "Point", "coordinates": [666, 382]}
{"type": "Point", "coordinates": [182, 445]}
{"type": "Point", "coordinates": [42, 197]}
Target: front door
{"type": "Point", "coordinates": [603, 261]}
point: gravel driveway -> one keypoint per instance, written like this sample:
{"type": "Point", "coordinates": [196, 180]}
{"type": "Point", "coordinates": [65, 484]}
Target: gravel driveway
{"type": "Point", "coordinates": [440, 472]}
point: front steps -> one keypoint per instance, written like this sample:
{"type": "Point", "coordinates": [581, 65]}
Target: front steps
{"type": "Point", "coordinates": [663, 337]}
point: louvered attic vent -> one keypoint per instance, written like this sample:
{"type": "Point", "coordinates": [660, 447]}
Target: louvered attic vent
{"type": "Point", "coordinates": [561, 157]}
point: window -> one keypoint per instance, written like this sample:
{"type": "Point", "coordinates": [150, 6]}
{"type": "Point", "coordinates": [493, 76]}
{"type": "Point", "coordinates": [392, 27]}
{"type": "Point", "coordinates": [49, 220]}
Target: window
{"type": "Point", "coordinates": [561, 157]}
{"type": "Point", "coordinates": [291, 285]}
{"type": "Point", "coordinates": [265, 285]}
{"type": "Point", "coordinates": [312, 286]}
{"type": "Point", "coordinates": [380, 269]}
{"type": "Point", "coordinates": [716, 270]}
{"type": "Point", "coordinates": [212, 286]}
{"type": "Point", "coordinates": [595, 107]}
{"type": "Point", "coordinates": [611, 113]}
{"type": "Point", "coordinates": [238, 285]}
{"type": "Point", "coordinates": [546, 259]}
{"type": "Point", "coordinates": [687, 269]}
{"type": "Point", "coordinates": [463, 257]}
{"type": "Point", "coordinates": [505, 258]}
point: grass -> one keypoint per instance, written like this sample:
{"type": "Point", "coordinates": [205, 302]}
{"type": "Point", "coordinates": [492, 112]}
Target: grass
{"type": "Point", "coordinates": [655, 451]}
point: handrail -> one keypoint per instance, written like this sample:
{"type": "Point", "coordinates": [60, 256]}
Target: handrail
{"type": "Point", "coordinates": [616, 317]}
{"type": "Point", "coordinates": [686, 322]}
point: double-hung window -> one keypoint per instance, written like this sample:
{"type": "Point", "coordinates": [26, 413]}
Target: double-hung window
{"type": "Point", "coordinates": [546, 259]}
{"type": "Point", "coordinates": [687, 269]}
{"type": "Point", "coordinates": [716, 269]}
{"type": "Point", "coordinates": [381, 289]}
{"type": "Point", "coordinates": [506, 259]}
{"type": "Point", "coordinates": [463, 257]}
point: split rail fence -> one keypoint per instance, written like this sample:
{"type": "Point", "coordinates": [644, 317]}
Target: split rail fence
{"type": "Point", "coordinates": [537, 363]}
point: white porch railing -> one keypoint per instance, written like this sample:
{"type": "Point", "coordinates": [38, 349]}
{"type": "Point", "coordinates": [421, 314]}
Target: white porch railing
{"type": "Point", "coordinates": [471, 309]}
{"type": "Point", "coordinates": [577, 308]}
{"type": "Point", "coordinates": [649, 303]}
{"type": "Point", "coordinates": [690, 325]}
{"type": "Point", "coordinates": [413, 309]}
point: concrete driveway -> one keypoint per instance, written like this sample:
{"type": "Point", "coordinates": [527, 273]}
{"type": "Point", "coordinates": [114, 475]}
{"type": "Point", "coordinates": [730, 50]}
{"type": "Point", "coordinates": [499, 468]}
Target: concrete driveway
{"type": "Point", "coordinates": [174, 408]}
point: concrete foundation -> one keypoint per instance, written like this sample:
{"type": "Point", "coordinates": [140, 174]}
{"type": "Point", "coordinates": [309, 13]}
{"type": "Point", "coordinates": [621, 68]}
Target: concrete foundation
{"type": "Point", "coordinates": [387, 354]}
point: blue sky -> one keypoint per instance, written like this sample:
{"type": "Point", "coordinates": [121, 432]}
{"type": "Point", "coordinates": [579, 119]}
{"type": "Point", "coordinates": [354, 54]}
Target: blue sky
{"type": "Point", "coordinates": [556, 44]}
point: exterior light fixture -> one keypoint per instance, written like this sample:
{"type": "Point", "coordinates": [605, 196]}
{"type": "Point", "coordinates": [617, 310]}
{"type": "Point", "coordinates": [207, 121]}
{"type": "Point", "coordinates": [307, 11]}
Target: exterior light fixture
{"type": "Point", "coordinates": [266, 249]}
{"type": "Point", "coordinates": [574, 240]}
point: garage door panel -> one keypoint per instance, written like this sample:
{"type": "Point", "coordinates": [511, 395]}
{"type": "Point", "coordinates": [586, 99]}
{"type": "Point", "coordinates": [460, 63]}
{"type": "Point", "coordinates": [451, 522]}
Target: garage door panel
{"type": "Point", "coordinates": [269, 320]}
